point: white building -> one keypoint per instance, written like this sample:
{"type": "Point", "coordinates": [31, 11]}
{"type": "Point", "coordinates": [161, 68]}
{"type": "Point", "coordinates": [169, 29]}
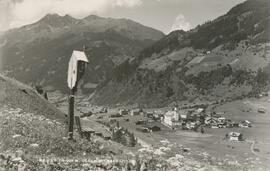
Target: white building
{"type": "Point", "coordinates": [134, 112]}
{"type": "Point", "coordinates": [221, 120]}
{"type": "Point", "coordinates": [183, 116]}
{"type": "Point", "coordinates": [123, 112]}
{"type": "Point", "coordinates": [245, 124]}
{"type": "Point", "coordinates": [235, 136]}
{"type": "Point", "coordinates": [171, 118]}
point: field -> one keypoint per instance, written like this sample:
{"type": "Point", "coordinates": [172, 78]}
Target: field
{"type": "Point", "coordinates": [257, 144]}
{"type": "Point", "coordinates": [253, 152]}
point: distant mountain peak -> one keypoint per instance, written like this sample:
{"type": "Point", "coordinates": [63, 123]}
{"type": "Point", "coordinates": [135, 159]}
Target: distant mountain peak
{"type": "Point", "coordinates": [50, 17]}
{"type": "Point", "coordinates": [92, 17]}
{"type": "Point", "coordinates": [56, 20]}
{"type": "Point", "coordinates": [69, 17]}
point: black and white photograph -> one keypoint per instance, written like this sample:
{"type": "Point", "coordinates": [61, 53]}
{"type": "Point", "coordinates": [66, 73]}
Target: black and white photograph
{"type": "Point", "coordinates": [134, 85]}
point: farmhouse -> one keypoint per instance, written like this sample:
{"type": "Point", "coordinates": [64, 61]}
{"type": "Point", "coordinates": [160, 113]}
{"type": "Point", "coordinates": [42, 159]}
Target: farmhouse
{"type": "Point", "coordinates": [116, 115]}
{"type": "Point", "coordinates": [135, 112]}
{"type": "Point", "coordinates": [190, 125]}
{"type": "Point", "coordinates": [199, 111]}
{"type": "Point", "coordinates": [144, 130]}
{"type": "Point", "coordinates": [245, 124]}
{"type": "Point", "coordinates": [235, 136]}
{"type": "Point", "coordinates": [221, 120]}
{"type": "Point", "coordinates": [153, 128]}
{"type": "Point", "coordinates": [106, 135]}
{"type": "Point", "coordinates": [140, 122]}
{"type": "Point", "coordinates": [183, 116]}
{"type": "Point", "coordinates": [149, 115]}
{"type": "Point", "coordinates": [123, 112]}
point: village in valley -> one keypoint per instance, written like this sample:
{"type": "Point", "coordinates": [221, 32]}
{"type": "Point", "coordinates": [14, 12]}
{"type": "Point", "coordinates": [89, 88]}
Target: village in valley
{"type": "Point", "coordinates": [216, 128]}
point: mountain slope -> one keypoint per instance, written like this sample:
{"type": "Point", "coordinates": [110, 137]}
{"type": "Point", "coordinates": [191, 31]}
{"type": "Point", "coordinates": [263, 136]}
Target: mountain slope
{"type": "Point", "coordinates": [39, 53]}
{"type": "Point", "coordinates": [17, 95]}
{"type": "Point", "coordinates": [226, 58]}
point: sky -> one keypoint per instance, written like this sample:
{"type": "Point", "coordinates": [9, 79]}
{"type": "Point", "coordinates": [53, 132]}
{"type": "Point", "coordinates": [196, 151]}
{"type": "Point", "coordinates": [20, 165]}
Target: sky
{"type": "Point", "coordinates": [164, 15]}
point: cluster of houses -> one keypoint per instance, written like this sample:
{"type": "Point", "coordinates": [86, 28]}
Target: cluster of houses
{"type": "Point", "coordinates": [193, 119]}
{"type": "Point", "coordinates": [174, 118]}
{"type": "Point", "coordinates": [222, 122]}
{"type": "Point", "coordinates": [186, 119]}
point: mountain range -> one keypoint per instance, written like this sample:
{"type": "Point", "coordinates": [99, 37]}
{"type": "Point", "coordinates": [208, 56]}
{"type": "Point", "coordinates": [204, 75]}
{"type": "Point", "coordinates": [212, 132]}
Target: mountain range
{"type": "Point", "coordinates": [224, 59]}
{"type": "Point", "coordinates": [38, 54]}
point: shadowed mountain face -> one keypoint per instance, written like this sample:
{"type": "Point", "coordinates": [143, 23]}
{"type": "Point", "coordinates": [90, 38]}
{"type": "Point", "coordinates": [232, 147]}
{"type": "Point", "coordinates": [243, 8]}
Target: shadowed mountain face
{"type": "Point", "coordinates": [39, 53]}
{"type": "Point", "coordinates": [227, 58]}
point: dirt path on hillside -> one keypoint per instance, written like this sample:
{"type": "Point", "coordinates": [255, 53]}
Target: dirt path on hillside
{"type": "Point", "coordinates": [252, 149]}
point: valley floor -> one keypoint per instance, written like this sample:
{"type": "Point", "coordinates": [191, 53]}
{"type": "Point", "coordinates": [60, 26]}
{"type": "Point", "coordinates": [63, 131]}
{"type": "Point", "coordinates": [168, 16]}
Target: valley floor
{"type": "Point", "coordinates": [33, 142]}
{"type": "Point", "coordinates": [251, 154]}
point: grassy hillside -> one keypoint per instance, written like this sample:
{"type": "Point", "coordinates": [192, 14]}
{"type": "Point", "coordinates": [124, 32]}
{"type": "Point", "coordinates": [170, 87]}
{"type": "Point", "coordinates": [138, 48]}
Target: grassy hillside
{"type": "Point", "coordinates": [18, 95]}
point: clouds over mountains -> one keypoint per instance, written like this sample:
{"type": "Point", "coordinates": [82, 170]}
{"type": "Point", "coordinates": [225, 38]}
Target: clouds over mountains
{"type": "Point", "coordinates": [14, 13]}
{"type": "Point", "coordinates": [180, 23]}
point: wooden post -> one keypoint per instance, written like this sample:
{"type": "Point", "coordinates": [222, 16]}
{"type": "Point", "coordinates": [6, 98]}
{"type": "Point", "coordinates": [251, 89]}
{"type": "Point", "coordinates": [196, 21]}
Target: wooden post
{"type": "Point", "coordinates": [78, 123]}
{"type": "Point", "coordinates": [71, 113]}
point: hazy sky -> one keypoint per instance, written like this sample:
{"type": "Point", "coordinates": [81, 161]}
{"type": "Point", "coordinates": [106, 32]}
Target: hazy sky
{"type": "Point", "coordinates": [165, 15]}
